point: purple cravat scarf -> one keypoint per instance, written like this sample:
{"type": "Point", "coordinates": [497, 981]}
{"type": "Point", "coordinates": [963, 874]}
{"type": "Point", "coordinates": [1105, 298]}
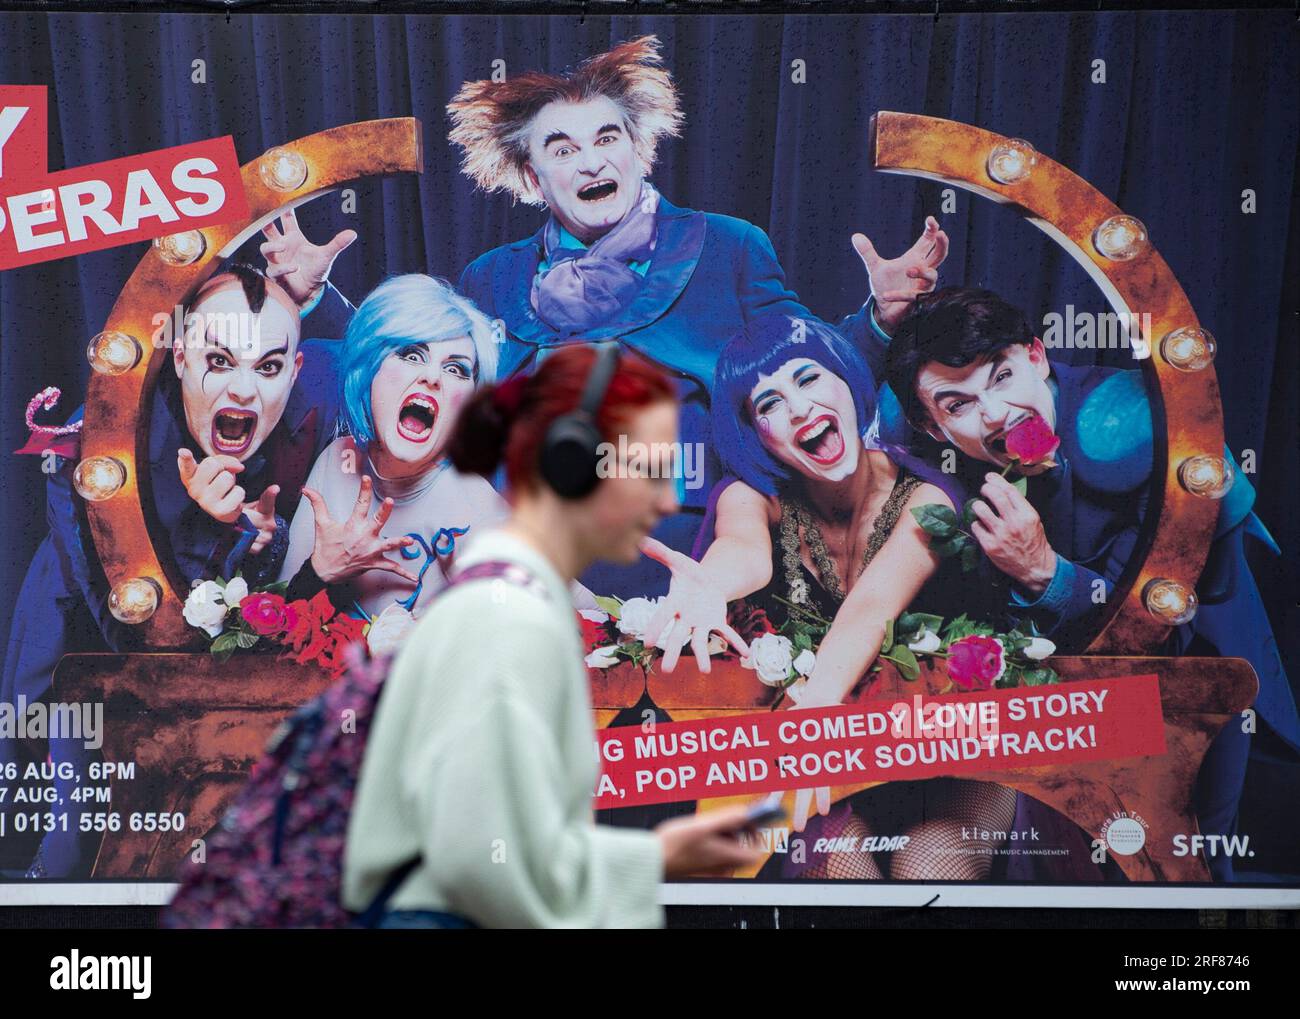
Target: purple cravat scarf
{"type": "Point", "coordinates": [587, 286]}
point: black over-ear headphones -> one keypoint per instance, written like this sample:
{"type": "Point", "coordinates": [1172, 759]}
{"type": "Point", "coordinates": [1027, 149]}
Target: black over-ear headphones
{"type": "Point", "coordinates": [570, 454]}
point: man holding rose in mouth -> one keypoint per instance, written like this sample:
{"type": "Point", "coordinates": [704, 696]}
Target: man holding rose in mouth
{"type": "Point", "coordinates": [971, 375]}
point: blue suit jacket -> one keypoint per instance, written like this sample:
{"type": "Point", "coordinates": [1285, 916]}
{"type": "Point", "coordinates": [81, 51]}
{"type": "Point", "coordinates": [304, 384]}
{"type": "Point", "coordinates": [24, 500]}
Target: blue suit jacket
{"type": "Point", "coordinates": [710, 274]}
{"type": "Point", "coordinates": [63, 602]}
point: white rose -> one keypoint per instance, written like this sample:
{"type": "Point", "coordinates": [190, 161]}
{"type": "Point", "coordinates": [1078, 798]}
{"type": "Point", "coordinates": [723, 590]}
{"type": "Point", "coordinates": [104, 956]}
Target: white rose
{"type": "Point", "coordinates": [805, 663]}
{"type": "Point", "coordinates": [602, 657]}
{"type": "Point", "coordinates": [594, 615]}
{"type": "Point", "coordinates": [205, 609]}
{"type": "Point", "coordinates": [389, 630]}
{"type": "Point", "coordinates": [770, 656]}
{"type": "Point", "coordinates": [1040, 648]}
{"type": "Point", "coordinates": [236, 591]}
{"type": "Point", "coordinates": [634, 618]}
{"type": "Point", "coordinates": [926, 644]}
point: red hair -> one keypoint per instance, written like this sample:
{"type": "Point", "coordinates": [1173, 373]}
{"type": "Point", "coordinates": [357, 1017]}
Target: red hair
{"type": "Point", "coordinates": [508, 422]}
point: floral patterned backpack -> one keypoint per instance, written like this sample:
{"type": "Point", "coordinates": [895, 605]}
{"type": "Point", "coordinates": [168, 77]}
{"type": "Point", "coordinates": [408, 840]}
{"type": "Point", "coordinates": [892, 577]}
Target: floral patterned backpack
{"type": "Point", "coordinates": [276, 858]}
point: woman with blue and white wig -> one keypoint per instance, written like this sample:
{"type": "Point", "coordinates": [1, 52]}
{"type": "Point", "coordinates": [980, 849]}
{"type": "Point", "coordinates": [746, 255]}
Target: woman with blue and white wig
{"type": "Point", "coordinates": [383, 510]}
{"type": "Point", "coordinates": [817, 515]}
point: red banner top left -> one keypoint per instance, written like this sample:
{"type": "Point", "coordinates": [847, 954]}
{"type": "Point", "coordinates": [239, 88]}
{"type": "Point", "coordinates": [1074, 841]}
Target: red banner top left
{"type": "Point", "coordinates": [44, 216]}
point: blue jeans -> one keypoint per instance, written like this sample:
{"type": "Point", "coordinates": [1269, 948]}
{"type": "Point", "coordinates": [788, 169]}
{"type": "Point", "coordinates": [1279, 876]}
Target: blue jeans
{"type": "Point", "coordinates": [423, 918]}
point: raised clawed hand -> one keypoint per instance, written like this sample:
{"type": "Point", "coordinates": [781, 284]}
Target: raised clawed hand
{"type": "Point", "coordinates": [352, 546]}
{"type": "Point", "coordinates": [212, 484]}
{"type": "Point", "coordinates": [300, 266]}
{"type": "Point", "coordinates": [896, 282]}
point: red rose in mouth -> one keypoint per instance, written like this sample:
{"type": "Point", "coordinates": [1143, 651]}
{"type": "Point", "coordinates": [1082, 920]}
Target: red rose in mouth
{"type": "Point", "coordinates": [1032, 442]}
{"type": "Point", "coordinates": [976, 662]}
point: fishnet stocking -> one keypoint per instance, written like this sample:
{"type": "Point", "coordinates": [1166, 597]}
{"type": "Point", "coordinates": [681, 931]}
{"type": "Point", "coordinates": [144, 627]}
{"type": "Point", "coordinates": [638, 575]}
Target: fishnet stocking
{"type": "Point", "coordinates": [853, 866]}
{"type": "Point", "coordinates": [931, 814]}
{"type": "Point", "coordinates": [936, 850]}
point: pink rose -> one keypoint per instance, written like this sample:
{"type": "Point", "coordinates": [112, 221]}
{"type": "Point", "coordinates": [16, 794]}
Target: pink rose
{"type": "Point", "coordinates": [267, 614]}
{"type": "Point", "coordinates": [976, 662]}
{"type": "Point", "coordinates": [1031, 441]}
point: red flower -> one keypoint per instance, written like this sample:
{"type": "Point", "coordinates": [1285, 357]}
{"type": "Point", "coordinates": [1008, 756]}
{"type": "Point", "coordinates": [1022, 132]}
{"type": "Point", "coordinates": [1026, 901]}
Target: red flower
{"type": "Point", "coordinates": [267, 614]}
{"type": "Point", "coordinates": [344, 631]}
{"type": "Point", "coordinates": [309, 624]}
{"type": "Point", "coordinates": [595, 634]}
{"type": "Point", "coordinates": [976, 662]}
{"type": "Point", "coordinates": [1032, 442]}
{"type": "Point", "coordinates": [750, 621]}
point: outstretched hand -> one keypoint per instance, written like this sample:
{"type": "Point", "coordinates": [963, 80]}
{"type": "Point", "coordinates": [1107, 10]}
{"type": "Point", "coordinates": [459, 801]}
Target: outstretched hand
{"type": "Point", "coordinates": [348, 547]}
{"type": "Point", "coordinates": [691, 610]}
{"type": "Point", "coordinates": [300, 266]}
{"type": "Point", "coordinates": [896, 282]}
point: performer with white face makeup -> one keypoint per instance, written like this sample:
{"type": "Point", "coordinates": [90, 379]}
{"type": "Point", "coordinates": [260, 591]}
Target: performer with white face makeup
{"type": "Point", "coordinates": [382, 507]}
{"type": "Point", "coordinates": [819, 517]}
{"type": "Point", "coordinates": [237, 365]}
{"type": "Point", "coordinates": [235, 426]}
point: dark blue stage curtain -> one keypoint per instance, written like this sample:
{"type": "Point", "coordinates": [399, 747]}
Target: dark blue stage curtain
{"type": "Point", "coordinates": [1195, 108]}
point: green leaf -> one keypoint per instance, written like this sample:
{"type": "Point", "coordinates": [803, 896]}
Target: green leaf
{"type": "Point", "coordinates": [802, 641]}
{"type": "Point", "coordinates": [889, 634]}
{"type": "Point", "coordinates": [906, 661]}
{"type": "Point", "coordinates": [1037, 677]}
{"type": "Point", "coordinates": [970, 556]}
{"type": "Point", "coordinates": [245, 640]}
{"type": "Point", "coordinates": [1021, 485]}
{"type": "Point", "coordinates": [946, 548]}
{"type": "Point", "coordinates": [963, 626]}
{"type": "Point", "coordinates": [225, 642]}
{"type": "Point", "coordinates": [936, 519]}
{"type": "Point", "coordinates": [967, 513]}
{"type": "Point", "coordinates": [910, 623]}
{"type": "Point", "coordinates": [955, 625]}
{"type": "Point", "coordinates": [610, 605]}
{"type": "Point", "coordinates": [279, 587]}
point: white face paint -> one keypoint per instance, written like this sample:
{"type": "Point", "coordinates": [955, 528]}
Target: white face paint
{"type": "Point", "coordinates": [806, 419]}
{"type": "Point", "coordinates": [236, 368]}
{"type": "Point", "coordinates": [582, 159]}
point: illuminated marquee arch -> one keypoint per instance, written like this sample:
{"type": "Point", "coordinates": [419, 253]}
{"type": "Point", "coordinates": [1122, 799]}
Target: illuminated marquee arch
{"type": "Point", "coordinates": [1157, 588]}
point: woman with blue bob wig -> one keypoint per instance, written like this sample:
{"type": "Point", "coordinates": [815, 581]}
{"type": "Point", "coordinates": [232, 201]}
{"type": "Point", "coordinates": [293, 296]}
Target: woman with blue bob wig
{"type": "Point", "coordinates": [413, 354]}
{"type": "Point", "coordinates": [817, 515]}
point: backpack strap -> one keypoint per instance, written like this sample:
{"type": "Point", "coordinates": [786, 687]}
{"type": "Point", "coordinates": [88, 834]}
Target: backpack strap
{"type": "Point", "coordinates": [510, 573]}
{"type": "Point", "coordinates": [369, 917]}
